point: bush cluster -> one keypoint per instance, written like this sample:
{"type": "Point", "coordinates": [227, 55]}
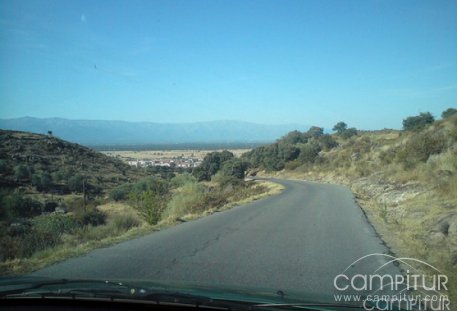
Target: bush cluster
{"type": "Point", "coordinates": [194, 198]}
{"type": "Point", "coordinates": [419, 148]}
{"type": "Point", "coordinates": [17, 205]}
{"type": "Point", "coordinates": [416, 123]}
{"type": "Point", "coordinates": [211, 164]}
{"type": "Point", "coordinates": [294, 149]}
{"type": "Point", "coordinates": [24, 239]}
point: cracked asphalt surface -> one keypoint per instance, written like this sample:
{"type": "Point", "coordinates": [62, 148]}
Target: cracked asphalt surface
{"type": "Point", "coordinates": [298, 240]}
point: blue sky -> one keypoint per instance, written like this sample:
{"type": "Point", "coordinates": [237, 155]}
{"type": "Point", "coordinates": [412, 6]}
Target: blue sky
{"type": "Point", "coordinates": [368, 63]}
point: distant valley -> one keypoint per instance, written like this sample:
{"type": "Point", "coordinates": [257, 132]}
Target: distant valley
{"type": "Point", "coordinates": [100, 132]}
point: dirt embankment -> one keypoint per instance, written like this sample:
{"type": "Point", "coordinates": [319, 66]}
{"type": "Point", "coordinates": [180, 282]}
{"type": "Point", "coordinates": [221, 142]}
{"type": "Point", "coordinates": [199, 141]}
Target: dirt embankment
{"type": "Point", "coordinates": [408, 216]}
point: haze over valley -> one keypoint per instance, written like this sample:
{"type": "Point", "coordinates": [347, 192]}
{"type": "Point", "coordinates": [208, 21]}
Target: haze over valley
{"type": "Point", "coordinates": [97, 132]}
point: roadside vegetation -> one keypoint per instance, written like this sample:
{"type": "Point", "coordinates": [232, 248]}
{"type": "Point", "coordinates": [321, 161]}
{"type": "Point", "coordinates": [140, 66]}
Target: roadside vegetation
{"type": "Point", "coordinates": [406, 181]}
{"type": "Point", "coordinates": [51, 209]}
{"type": "Point", "coordinates": [218, 181]}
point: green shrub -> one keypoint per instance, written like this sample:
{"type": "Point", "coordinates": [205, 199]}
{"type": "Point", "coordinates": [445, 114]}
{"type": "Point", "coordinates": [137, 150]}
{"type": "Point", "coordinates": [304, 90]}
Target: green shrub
{"type": "Point", "coordinates": [417, 123]}
{"type": "Point", "coordinates": [152, 184]}
{"type": "Point", "coordinates": [419, 148]}
{"type": "Point", "coordinates": [45, 232]}
{"type": "Point", "coordinates": [182, 179]}
{"type": "Point", "coordinates": [187, 199]}
{"type": "Point", "coordinates": [58, 224]}
{"type": "Point", "coordinates": [309, 152]}
{"type": "Point", "coordinates": [37, 240]}
{"type": "Point", "coordinates": [273, 157]}
{"type": "Point", "coordinates": [149, 204]}
{"type": "Point", "coordinates": [121, 193]}
{"type": "Point", "coordinates": [18, 205]}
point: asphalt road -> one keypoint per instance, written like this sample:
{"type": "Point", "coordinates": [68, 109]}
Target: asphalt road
{"type": "Point", "coordinates": [298, 240]}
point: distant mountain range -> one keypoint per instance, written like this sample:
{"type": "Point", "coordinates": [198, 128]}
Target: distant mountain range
{"type": "Point", "coordinates": [98, 132]}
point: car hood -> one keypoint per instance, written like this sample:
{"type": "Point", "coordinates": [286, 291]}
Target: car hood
{"type": "Point", "coordinates": [136, 287]}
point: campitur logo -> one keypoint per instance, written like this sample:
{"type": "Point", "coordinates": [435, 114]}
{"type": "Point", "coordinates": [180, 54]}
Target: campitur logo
{"type": "Point", "coordinates": [385, 287]}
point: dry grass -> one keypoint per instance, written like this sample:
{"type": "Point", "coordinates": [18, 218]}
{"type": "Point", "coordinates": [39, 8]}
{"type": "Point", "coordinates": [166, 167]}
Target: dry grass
{"type": "Point", "coordinates": [265, 189]}
{"type": "Point", "coordinates": [67, 250]}
{"type": "Point", "coordinates": [271, 188]}
{"type": "Point", "coordinates": [412, 229]}
{"type": "Point", "coordinates": [122, 223]}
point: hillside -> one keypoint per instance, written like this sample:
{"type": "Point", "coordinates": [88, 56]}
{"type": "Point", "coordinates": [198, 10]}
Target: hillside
{"type": "Point", "coordinates": [53, 165]}
{"type": "Point", "coordinates": [60, 199]}
{"type": "Point", "coordinates": [405, 181]}
{"type": "Point", "coordinates": [49, 189]}
{"type": "Point", "coordinates": [100, 132]}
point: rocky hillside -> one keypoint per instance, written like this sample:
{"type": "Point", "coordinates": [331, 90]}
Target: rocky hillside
{"type": "Point", "coordinates": [48, 164]}
{"type": "Point", "coordinates": [405, 181]}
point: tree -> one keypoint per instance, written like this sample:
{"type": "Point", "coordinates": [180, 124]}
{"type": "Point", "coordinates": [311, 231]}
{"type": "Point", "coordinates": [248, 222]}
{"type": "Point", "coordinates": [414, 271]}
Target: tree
{"type": "Point", "coordinates": [416, 123]}
{"type": "Point", "coordinates": [315, 131]}
{"type": "Point", "coordinates": [448, 112]}
{"type": "Point", "coordinates": [294, 137]}
{"type": "Point", "coordinates": [234, 167]}
{"type": "Point", "coordinates": [211, 164]}
{"type": "Point", "coordinates": [340, 127]}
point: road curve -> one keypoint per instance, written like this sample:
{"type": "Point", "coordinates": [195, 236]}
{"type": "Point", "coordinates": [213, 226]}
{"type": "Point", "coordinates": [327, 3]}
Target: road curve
{"type": "Point", "coordinates": [298, 240]}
